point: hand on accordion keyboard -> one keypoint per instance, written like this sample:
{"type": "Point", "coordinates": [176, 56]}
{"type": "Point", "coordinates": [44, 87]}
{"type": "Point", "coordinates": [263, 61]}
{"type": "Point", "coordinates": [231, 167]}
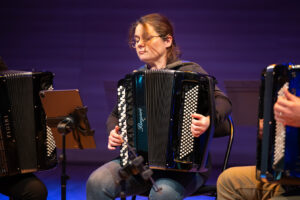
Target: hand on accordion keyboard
{"type": "Point", "coordinates": [287, 109]}
{"type": "Point", "coordinates": [260, 128]}
{"type": "Point", "coordinates": [114, 139]}
{"type": "Point", "coordinates": [200, 124]}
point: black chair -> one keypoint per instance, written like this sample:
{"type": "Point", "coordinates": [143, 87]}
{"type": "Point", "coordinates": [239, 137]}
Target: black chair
{"type": "Point", "coordinates": [211, 190]}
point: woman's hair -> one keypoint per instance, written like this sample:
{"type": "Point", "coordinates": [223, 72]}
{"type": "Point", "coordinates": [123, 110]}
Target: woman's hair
{"type": "Point", "coordinates": [163, 27]}
{"type": "Point", "coordinates": [2, 65]}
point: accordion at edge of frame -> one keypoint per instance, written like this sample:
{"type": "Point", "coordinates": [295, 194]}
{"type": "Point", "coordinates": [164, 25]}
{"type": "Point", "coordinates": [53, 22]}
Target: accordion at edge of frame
{"type": "Point", "coordinates": [26, 143]}
{"type": "Point", "coordinates": [155, 108]}
{"type": "Point", "coordinates": [278, 147]}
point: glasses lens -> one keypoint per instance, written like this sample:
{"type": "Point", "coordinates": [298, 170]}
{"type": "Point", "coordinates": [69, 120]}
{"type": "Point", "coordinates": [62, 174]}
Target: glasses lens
{"type": "Point", "coordinates": [134, 42]}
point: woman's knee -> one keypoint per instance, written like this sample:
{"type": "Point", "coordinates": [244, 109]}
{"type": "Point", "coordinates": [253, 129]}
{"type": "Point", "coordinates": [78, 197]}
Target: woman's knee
{"type": "Point", "coordinates": [168, 189]}
{"type": "Point", "coordinates": [224, 177]}
{"type": "Point", "coordinates": [41, 191]}
{"type": "Point", "coordinates": [237, 177]}
{"type": "Point", "coordinates": [99, 179]}
{"type": "Point", "coordinates": [103, 182]}
{"type": "Point", "coordinates": [35, 190]}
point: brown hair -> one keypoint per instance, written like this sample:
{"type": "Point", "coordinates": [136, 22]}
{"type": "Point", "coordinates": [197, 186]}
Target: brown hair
{"type": "Point", "coordinates": [2, 65]}
{"type": "Point", "coordinates": [163, 27]}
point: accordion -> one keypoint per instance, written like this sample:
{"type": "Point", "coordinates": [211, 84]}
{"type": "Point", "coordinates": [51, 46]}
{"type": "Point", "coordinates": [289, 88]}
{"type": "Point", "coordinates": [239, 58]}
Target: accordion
{"type": "Point", "coordinates": [278, 147]}
{"type": "Point", "coordinates": [155, 107]}
{"type": "Point", "coordinates": [26, 143]}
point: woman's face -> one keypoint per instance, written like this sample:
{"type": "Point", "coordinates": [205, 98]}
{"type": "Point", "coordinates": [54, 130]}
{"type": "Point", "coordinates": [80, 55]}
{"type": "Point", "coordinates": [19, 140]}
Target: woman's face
{"type": "Point", "coordinates": [153, 48]}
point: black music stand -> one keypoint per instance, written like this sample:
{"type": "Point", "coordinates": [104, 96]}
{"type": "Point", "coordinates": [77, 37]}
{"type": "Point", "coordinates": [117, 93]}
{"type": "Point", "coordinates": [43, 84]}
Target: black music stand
{"type": "Point", "coordinates": [65, 114]}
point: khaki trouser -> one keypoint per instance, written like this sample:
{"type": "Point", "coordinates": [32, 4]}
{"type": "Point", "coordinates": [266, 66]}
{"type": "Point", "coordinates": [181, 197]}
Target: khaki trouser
{"type": "Point", "coordinates": [240, 183]}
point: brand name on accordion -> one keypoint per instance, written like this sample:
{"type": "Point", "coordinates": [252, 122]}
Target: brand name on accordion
{"type": "Point", "coordinates": [140, 120]}
{"type": "Point", "coordinates": [7, 126]}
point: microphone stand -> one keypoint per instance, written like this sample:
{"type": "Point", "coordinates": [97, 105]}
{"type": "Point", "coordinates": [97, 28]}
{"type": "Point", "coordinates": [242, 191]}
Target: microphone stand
{"type": "Point", "coordinates": [135, 167]}
{"type": "Point", "coordinates": [64, 127]}
{"type": "Point", "coordinates": [72, 123]}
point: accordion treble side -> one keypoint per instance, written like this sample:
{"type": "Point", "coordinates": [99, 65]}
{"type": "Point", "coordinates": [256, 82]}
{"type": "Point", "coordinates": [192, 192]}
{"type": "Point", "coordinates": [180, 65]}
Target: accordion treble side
{"type": "Point", "coordinates": [26, 144]}
{"type": "Point", "coordinates": [278, 147]}
{"type": "Point", "coordinates": [155, 110]}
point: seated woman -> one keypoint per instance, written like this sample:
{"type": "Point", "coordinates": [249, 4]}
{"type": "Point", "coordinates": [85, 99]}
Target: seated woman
{"type": "Point", "coordinates": [152, 37]}
{"type": "Point", "coordinates": [22, 186]}
{"type": "Point", "coordinates": [241, 182]}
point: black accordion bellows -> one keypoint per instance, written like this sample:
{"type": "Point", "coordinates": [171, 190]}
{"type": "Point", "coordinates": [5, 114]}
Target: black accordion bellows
{"type": "Point", "coordinates": [278, 148]}
{"type": "Point", "coordinates": [26, 144]}
{"type": "Point", "coordinates": [155, 110]}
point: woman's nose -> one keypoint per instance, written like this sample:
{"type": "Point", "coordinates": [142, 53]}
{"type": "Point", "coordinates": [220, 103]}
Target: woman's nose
{"type": "Point", "coordinates": [140, 43]}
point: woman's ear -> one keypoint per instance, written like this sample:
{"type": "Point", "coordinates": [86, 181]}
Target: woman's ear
{"type": "Point", "coordinates": [168, 41]}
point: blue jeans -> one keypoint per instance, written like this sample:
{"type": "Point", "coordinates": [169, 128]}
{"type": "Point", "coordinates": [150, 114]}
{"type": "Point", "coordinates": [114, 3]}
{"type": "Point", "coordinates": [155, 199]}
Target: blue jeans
{"type": "Point", "coordinates": [103, 184]}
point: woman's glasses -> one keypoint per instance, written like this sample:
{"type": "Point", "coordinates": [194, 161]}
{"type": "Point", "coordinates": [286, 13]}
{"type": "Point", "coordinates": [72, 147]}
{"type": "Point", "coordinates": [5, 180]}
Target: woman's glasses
{"type": "Point", "coordinates": [136, 40]}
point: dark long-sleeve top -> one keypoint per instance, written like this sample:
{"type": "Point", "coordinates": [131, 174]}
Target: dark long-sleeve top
{"type": "Point", "coordinates": [222, 102]}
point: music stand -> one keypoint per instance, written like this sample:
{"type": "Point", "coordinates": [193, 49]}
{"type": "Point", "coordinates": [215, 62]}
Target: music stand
{"type": "Point", "coordinates": [65, 114]}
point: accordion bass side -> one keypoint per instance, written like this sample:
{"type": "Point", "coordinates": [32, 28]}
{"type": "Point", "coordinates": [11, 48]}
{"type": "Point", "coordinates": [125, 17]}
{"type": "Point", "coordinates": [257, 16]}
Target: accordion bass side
{"type": "Point", "coordinates": [155, 108]}
{"type": "Point", "coordinates": [278, 147]}
{"type": "Point", "coordinates": [26, 145]}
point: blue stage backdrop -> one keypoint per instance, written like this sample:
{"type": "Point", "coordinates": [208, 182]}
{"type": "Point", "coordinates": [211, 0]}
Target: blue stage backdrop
{"type": "Point", "coordinates": [85, 44]}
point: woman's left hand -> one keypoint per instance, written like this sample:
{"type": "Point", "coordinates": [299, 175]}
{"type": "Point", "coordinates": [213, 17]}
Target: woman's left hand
{"type": "Point", "coordinates": [200, 124]}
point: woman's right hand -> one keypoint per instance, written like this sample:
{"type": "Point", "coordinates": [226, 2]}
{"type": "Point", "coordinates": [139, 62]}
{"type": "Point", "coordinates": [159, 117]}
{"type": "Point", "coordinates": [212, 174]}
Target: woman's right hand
{"type": "Point", "coordinates": [114, 139]}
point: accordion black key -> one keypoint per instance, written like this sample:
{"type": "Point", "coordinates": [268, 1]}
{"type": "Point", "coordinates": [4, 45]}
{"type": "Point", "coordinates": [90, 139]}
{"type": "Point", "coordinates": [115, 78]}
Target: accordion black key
{"type": "Point", "coordinates": [155, 108]}
{"type": "Point", "coordinates": [26, 143]}
{"type": "Point", "coordinates": [278, 147]}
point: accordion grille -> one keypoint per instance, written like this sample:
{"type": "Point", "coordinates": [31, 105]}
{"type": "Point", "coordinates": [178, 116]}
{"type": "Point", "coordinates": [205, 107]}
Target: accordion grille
{"type": "Point", "coordinates": [159, 88]}
{"type": "Point", "coordinates": [20, 90]}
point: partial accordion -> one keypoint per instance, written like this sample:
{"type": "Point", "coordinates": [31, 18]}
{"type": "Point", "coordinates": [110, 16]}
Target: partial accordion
{"type": "Point", "coordinates": [155, 107]}
{"type": "Point", "coordinates": [278, 146]}
{"type": "Point", "coordinates": [26, 144]}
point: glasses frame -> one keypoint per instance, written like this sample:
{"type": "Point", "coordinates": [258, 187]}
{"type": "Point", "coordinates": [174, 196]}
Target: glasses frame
{"type": "Point", "coordinates": [133, 43]}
